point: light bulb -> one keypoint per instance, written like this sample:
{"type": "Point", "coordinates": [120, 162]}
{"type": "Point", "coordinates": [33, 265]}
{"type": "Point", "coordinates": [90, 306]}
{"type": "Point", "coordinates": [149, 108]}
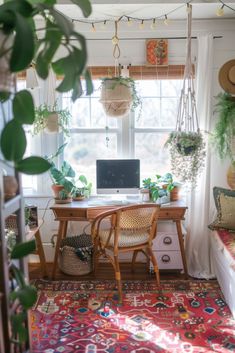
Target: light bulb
{"type": "Point", "coordinates": [153, 24]}
{"type": "Point", "coordinates": [129, 21]}
{"type": "Point", "coordinates": [93, 29]}
{"type": "Point", "coordinates": [141, 26]}
{"type": "Point", "coordinates": [220, 11]}
{"type": "Point", "coordinates": [166, 21]}
{"type": "Point", "coordinates": [103, 25]}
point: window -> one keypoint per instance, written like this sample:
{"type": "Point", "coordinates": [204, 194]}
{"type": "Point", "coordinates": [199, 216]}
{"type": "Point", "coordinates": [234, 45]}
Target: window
{"type": "Point", "coordinates": [96, 136]}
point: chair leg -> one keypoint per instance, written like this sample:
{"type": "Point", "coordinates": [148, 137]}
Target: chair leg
{"type": "Point", "coordinates": [118, 277]}
{"type": "Point", "coordinates": [134, 259]}
{"type": "Point", "coordinates": [155, 265]}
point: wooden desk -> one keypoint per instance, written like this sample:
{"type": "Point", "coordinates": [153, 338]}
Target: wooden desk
{"type": "Point", "coordinates": [85, 211]}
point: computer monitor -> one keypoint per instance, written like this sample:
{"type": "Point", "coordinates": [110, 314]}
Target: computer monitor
{"type": "Point", "coordinates": [117, 176]}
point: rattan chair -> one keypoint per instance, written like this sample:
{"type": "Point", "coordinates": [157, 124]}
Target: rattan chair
{"type": "Point", "coordinates": [125, 229]}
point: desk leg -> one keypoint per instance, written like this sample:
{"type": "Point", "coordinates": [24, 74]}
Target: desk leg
{"type": "Point", "coordinates": [181, 242]}
{"type": "Point", "coordinates": [61, 234]}
{"type": "Point", "coordinates": [41, 253]}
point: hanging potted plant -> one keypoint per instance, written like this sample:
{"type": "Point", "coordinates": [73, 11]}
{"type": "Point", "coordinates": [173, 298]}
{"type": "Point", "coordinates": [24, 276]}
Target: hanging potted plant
{"type": "Point", "coordinates": [186, 143]}
{"type": "Point", "coordinates": [223, 136]}
{"type": "Point", "coordinates": [187, 151]}
{"type": "Point", "coordinates": [51, 119]}
{"type": "Point", "coordinates": [119, 96]}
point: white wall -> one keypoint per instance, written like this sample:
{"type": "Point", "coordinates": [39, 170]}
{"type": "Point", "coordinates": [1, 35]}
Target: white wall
{"type": "Point", "coordinates": [132, 49]}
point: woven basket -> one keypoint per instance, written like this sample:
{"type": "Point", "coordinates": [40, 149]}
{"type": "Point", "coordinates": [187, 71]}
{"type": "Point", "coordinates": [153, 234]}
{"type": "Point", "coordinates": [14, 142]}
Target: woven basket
{"type": "Point", "coordinates": [75, 257]}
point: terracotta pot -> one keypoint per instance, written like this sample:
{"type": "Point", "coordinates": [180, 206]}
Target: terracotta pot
{"type": "Point", "coordinates": [56, 189]}
{"type": "Point", "coordinates": [231, 176]}
{"type": "Point", "coordinates": [10, 186]}
{"type": "Point", "coordinates": [174, 194]}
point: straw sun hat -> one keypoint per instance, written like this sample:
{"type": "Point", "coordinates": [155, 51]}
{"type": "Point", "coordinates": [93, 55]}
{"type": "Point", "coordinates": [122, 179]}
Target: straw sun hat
{"type": "Point", "coordinates": [227, 76]}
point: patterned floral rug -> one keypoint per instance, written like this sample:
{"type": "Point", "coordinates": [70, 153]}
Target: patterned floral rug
{"type": "Point", "coordinates": [85, 317]}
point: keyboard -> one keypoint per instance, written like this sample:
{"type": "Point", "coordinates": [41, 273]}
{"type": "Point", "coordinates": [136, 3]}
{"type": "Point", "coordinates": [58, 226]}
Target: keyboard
{"type": "Point", "coordinates": [108, 202]}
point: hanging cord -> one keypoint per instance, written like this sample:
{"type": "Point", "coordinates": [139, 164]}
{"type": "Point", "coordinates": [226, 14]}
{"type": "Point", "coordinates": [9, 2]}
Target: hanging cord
{"type": "Point", "coordinates": [187, 118]}
{"type": "Point", "coordinates": [116, 49]}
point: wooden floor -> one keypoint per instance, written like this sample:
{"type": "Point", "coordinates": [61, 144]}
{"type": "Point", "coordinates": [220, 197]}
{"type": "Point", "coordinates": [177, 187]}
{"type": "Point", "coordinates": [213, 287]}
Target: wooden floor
{"type": "Point", "coordinates": [106, 271]}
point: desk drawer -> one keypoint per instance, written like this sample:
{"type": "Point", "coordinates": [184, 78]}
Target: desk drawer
{"type": "Point", "coordinates": [168, 260]}
{"type": "Point", "coordinates": [70, 214]}
{"type": "Point", "coordinates": [165, 241]}
{"type": "Point", "coordinates": [172, 214]}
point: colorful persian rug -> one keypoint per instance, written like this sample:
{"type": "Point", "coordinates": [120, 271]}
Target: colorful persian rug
{"type": "Point", "coordinates": [85, 317]}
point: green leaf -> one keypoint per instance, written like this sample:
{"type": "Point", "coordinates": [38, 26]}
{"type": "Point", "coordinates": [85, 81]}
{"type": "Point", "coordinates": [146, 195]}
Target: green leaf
{"type": "Point", "coordinates": [42, 66]}
{"type": "Point", "coordinates": [77, 90]}
{"type": "Point", "coordinates": [27, 296]}
{"type": "Point", "coordinates": [33, 165]}
{"type": "Point", "coordinates": [13, 141]}
{"type": "Point", "coordinates": [4, 96]}
{"type": "Point", "coordinates": [85, 6]}
{"type": "Point", "coordinates": [23, 249]}
{"type": "Point", "coordinates": [18, 326]}
{"type": "Point", "coordinates": [63, 23]}
{"type": "Point", "coordinates": [23, 47]}
{"type": "Point", "coordinates": [22, 7]}
{"type": "Point", "coordinates": [23, 107]}
{"type": "Point", "coordinates": [89, 85]}
{"type": "Point", "coordinates": [67, 170]}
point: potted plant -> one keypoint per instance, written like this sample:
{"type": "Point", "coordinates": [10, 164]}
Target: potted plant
{"type": "Point", "coordinates": [119, 96]}
{"type": "Point", "coordinates": [172, 186]}
{"type": "Point", "coordinates": [62, 180]}
{"type": "Point", "coordinates": [83, 190]}
{"type": "Point", "coordinates": [158, 191]}
{"type": "Point", "coordinates": [51, 119]}
{"type": "Point", "coordinates": [187, 151]}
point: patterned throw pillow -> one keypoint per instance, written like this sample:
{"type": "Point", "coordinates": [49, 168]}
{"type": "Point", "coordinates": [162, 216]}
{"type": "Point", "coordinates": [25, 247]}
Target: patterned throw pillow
{"type": "Point", "coordinates": [225, 205]}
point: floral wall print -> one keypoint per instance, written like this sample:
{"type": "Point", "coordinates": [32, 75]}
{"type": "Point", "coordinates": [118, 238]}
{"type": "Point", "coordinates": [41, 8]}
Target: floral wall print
{"type": "Point", "coordinates": [157, 52]}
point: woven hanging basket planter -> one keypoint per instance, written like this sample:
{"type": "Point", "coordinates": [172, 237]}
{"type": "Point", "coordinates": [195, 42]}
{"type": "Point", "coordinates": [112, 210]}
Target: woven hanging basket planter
{"type": "Point", "coordinates": [116, 98]}
{"type": "Point", "coordinates": [52, 124]}
{"type": "Point", "coordinates": [7, 78]}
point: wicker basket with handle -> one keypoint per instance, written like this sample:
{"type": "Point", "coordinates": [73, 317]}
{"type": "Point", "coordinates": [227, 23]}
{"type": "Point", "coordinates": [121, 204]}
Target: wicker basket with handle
{"type": "Point", "coordinates": [75, 256]}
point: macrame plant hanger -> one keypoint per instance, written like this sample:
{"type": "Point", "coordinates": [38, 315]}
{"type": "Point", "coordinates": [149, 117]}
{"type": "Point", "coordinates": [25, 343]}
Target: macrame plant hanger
{"type": "Point", "coordinates": [187, 119]}
{"type": "Point", "coordinates": [116, 51]}
{"type": "Point", "coordinates": [186, 144]}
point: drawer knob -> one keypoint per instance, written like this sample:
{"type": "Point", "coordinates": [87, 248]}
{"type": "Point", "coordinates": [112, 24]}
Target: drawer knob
{"type": "Point", "coordinates": [167, 240]}
{"type": "Point", "coordinates": [165, 258]}
{"type": "Point", "coordinates": [71, 214]}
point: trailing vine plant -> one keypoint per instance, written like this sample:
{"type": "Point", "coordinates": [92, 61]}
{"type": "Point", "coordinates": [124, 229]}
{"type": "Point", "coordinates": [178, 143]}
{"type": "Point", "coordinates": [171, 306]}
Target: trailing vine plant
{"type": "Point", "coordinates": [224, 131]}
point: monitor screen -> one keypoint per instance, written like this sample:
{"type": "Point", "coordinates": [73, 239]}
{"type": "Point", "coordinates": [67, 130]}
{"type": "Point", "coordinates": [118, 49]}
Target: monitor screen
{"type": "Point", "coordinates": [117, 176]}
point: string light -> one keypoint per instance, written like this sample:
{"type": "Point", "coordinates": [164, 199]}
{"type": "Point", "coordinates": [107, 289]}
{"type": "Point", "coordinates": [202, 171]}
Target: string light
{"type": "Point", "coordinates": [166, 21]}
{"type": "Point", "coordinates": [153, 24]}
{"type": "Point", "coordinates": [220, 11]}
{"type": "Point", "coordinates": [129, 21]}
{"type": "Point", "coordinates": [141, 24]}
{"type": "Point", "coordinates": [93, 29]}
{"type": "Point", "coordinates": [103, 25]}
{"type": "Point", "coordinates": [165, 17]}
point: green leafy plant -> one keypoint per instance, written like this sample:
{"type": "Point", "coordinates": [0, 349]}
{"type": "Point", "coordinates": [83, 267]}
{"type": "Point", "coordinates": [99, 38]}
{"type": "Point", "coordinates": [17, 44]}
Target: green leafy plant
{"type": "Point", "coordinates": [187, 151]}
{"type": "Point", "coordinates": [82, 187]}
{"type": "Point", "coordinates": [64, 176]}
{"type": "Point", "coordinates": [23, 42]}
{"type": "Point", "coordinates": [23, 293]}
{"type": "Point", "coordinates": [224, 130]}
{"type": "Point", "coordinates": [30, 43]}
{"type": "Point", "coordinates": [44, 112]}
{"type": "Point", "coordinates": [159, 187]}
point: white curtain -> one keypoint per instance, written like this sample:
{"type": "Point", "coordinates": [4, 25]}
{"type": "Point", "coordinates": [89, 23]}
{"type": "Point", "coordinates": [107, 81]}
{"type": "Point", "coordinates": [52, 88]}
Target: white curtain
{"type": "Point", "coordinates": [197, 241]}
